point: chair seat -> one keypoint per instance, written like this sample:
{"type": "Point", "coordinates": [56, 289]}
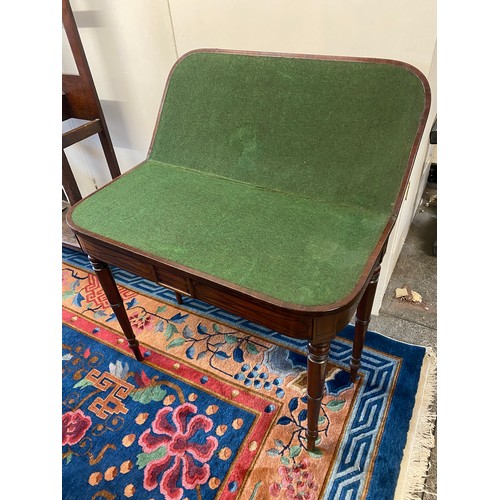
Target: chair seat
{"type": "Point", "coordinates": [284, 245]}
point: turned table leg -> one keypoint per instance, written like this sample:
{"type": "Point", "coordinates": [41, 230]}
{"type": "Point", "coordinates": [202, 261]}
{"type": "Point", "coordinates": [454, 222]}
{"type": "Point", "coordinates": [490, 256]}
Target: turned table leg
{"type": "Point", "coordinates": [316, 373]}
{"type": "Point", "coordinates": [363, 314]}
{"type": "Point", "coordinates": [108, 284]}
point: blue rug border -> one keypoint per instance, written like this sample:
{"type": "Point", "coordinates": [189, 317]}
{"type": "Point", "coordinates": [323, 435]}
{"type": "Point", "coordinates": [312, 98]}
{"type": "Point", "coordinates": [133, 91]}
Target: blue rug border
{"type": "Point", "coordinates": [393, 443]}
{"type": "Point", "coordinates": [383, 481]}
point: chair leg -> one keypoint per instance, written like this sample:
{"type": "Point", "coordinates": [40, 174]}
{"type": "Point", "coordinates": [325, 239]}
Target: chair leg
{"type": "Point", "coordinates": [316, 373]}
{"type": "Point", "coordinates": [69, 182]}
{"type": "Point", "coordinates": [108, 284]}
{"type": "Point", "coordinates": [363, 314]}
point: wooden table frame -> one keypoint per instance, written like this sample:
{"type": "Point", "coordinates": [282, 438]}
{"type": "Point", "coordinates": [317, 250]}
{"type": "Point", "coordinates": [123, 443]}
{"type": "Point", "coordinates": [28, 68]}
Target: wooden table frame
{"type": "Point", "coordinates": [317, 324]}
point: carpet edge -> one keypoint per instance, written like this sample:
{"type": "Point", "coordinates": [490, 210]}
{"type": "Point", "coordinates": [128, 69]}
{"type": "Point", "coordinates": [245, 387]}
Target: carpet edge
{"type": "Point", "coordinates": [416, 454]}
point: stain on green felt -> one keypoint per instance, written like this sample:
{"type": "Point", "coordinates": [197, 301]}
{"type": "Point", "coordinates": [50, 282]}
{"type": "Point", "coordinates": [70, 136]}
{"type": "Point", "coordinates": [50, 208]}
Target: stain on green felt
{"type": "Point", "coordinates": [275, 174]}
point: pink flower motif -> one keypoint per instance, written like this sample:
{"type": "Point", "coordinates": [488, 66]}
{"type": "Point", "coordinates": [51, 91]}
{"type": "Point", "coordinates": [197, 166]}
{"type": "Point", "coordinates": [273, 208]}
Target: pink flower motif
{"type": "Point", "coordinates": [74, 426]}
{"type": "Point", "coordinates": [296, 483]}
{"type": "Point", "coordinates": [141, 320]}
{"type": "Point", "coordinates": [290, 492]}
{"type": "Point", "coordinates": [173, 429]}
{"type": "Point", "coordinates": [274, 489]}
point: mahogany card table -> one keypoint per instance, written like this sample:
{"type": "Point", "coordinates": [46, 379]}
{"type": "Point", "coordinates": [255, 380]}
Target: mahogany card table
{"type": "Point", "coordinates": [270, 190]}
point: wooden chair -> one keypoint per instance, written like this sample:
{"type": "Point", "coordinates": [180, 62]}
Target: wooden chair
{"type": "Point", "coordinates": [80, 100]}
{"type": "Point", "coordinates": [270, 189]}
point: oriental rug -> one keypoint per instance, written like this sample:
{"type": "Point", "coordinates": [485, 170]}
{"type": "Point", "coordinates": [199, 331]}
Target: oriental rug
{"type": "Point", "coordinates": [218, 407]}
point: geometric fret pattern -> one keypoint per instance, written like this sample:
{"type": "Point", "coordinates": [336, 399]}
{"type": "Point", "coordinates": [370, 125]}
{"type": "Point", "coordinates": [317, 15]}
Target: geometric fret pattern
{"type": "Point", "coordinates": [112, 403]}
{"type": "Point", "coordinates": [350, 473]}
{"type": "Point", "coordinates": [379, 373]}
{"type": "Point", "coordinates": [95, 294]}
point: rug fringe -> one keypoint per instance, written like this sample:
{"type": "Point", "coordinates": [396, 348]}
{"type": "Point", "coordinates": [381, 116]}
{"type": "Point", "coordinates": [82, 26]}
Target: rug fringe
{"type": "Point", "coordinates": [415, 463]}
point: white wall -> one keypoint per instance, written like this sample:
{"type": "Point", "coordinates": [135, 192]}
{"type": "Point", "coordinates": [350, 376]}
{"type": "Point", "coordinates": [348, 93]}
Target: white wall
{"type": "Point", "coordinates": [131, 45]}
{"type": "Point", "coordinates": [130, 49]}
{"type": "Point", "coordinates": [399, 29]}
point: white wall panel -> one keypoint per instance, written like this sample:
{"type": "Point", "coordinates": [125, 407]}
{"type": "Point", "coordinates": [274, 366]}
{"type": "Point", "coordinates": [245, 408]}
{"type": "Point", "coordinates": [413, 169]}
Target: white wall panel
{"type": "Point", "coordinates": [397, 29]}
{"type": "Point", "coordinates": [130, 49]}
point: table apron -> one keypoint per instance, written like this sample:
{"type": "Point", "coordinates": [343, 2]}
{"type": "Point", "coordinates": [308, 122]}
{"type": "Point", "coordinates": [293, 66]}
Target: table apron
{"type": "Point", "coordinates": [316, 327]}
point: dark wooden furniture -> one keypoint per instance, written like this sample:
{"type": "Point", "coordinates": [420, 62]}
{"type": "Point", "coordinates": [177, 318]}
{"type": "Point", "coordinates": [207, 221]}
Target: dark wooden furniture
{"type": "Point", "coordinates": [270, 190]}
{"type": "Point", "coordinates": [433, 139]}
{"type": "Point", "coordinates": [80, 100]}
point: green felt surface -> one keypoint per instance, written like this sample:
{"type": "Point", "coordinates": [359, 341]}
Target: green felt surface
{"type": "Point", "coordinates": [275, 174]}
{"type": "Point", "coordinates": [335, 131]}
{"type": "Point", "coordinates": [289, 247]}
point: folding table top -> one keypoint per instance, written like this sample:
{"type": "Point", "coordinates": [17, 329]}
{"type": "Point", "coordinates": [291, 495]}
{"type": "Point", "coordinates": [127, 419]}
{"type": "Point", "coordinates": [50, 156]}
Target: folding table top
{"type": "Point", "coordinates": [274, 173]}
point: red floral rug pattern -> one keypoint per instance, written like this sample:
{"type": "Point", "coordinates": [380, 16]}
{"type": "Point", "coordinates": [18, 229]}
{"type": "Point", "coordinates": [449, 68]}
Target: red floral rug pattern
{"type": "Point", "coordinates": [236, 363]}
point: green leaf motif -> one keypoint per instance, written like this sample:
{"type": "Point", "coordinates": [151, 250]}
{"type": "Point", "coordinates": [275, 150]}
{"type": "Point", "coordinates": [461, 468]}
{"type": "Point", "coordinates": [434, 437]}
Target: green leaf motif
{"type": "Point", "coordinates": [285, 460]}
{"type": "Point", "coordinates": [273, 452]}
{"type": "Point", "coordinates": [321, 420]}
{"type": "Point", "coordinates": [176, 342]}
{"type": "Point", "coordinates": [151, 393]}
{"type": "Point", "coordinates": [254, 492]}
{"type": "Point", "coordinates": [161, 309]}
{"type": "Point", "coordinates": [143, 459]}
{"type": "Point", "coordinates": [294, 451]}
{"type": "Point", "coordinates": [215, 328]}
{"type": "Point", "coordinates": [230, 339]}
{"type": "Point", "coordinates": [82, 383]}
{"type": "Point", "coordinates": [251, 348]}
{"type": "Point", "coordinates": [171, 328]}
{"type": "Point", "coordinates": [317, 453]}
{"type": "Point", "coordinates": [335, 405]}
{"type": "Point", "coordinates": [67, 294]}
{"type": "Point", "coordinates": [68, 458]}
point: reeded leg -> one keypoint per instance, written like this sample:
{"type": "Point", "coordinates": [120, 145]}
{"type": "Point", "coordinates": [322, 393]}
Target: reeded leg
{"type": "Point", "coordinates": [108, 284]}
{"type": "Point", "coordinates": [316, 372]}
{"type": "Point", "coordinates": [178, 297]}
{"type": "Point", "coordinates": [363, 314]}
